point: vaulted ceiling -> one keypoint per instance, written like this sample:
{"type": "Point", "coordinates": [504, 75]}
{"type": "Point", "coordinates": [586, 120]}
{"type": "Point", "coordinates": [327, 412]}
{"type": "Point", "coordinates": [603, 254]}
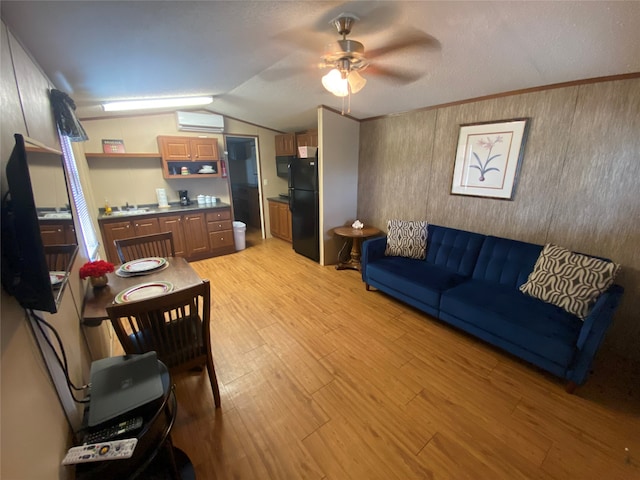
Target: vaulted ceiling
{"type": "Point", "coordinates": [260, 59]}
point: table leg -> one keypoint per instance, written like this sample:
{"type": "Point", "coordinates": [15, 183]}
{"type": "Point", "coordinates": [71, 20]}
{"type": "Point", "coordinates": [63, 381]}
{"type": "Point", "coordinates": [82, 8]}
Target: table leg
{"type": "Point", "coordinates": [354, 261]}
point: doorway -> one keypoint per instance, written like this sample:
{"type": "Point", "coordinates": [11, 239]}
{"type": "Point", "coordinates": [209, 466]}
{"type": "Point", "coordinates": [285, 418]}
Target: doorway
{"type": "Point", "coordinates": [244, 178]}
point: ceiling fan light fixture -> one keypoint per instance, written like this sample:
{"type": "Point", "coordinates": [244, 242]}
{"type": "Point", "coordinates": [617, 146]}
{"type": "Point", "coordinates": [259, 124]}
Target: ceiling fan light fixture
{"type": "Point", "coordinates": [335, 84]}
{"type": "Point", "coordinates": [356, 81]}
{"type": "Point", "coordinates": [146, 103]}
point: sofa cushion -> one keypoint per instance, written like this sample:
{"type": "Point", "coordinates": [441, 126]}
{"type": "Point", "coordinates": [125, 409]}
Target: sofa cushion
{"type": "Point", "coordinates": [506, 262]}
{"type": "Point", "coordinates": [569, 280]}
{"type": "Point", "coordinates": [539, 327]}
{"type": "Point", "coordinates": [421, 280]}
{"type": "Point", "coordinates": [406, 239]}
{"type": "Point", "coordinates": [456, 250]}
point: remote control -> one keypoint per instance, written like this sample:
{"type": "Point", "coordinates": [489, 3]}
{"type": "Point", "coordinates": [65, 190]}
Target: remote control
{"type": "Point", "coordinates": [97, 452]}
{"type": "Point", "coordinates": [113, 431]}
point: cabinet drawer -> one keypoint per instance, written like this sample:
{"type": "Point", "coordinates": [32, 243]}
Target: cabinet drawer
{"type": "Point", "coordinates": [216, 226]}
{"type": "Point", "coordinates": [224, 214]}
{"type": "Point", "coordinates": [221, 239]}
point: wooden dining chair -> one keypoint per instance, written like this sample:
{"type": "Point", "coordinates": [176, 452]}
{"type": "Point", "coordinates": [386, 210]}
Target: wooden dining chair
{"type": "Point", "coordinates": [176, 325]}
{"type": "Point", "coordinates": [59, 257]}
{"type": "Point", "coordinates": [154, 245]}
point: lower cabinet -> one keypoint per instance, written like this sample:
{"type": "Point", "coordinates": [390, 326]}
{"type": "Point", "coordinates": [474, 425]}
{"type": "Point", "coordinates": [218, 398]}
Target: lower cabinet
{"type": "Point", "coordinates": [173, 224]}
{"type": "Point", "coordinates": [280, 220]}
{"type": "Point", "coordinates": [120, 229]}
{"type": "Point", "coordinates": [57, 233]}
{"type": "Point", "coordinates": [196, 242]}
{"type": "Point", "coordinates": [220, 231]}
{"type": "Point", "coordinates": [192, 232]}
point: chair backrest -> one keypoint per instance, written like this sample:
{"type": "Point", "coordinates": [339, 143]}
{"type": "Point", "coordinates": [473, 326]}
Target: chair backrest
{"type": "Point", "coordinates": [154, 245]}
{"type": "Point", "coordinates": [59, 257]}
{"type": "Point", "coordinates": [175, 325]}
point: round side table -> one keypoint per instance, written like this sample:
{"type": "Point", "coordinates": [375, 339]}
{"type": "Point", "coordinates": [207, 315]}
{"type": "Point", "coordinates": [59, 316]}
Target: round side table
{"type": "Point", "coordinates": [357, 235]}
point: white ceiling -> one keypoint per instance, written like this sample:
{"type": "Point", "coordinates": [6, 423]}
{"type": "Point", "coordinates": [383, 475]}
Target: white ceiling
{"type": "Point", "coordinates": [260, 58]}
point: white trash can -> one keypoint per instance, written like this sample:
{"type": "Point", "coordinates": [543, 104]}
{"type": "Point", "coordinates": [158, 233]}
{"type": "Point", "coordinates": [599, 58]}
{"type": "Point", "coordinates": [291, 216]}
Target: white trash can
{"type": "Point", "coordinates": [239, 229]}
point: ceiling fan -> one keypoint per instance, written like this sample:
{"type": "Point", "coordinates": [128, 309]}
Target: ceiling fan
{"type": "Point", "coordinates": [346, 58]}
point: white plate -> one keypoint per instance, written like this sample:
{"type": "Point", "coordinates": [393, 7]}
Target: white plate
{"type": "Point", "coordinates": [56, 277]}
{"type": "Point", "coordinates": [206, 171]}
{"type": "Point", "coordinates": [143, 264]}
{"type": "Point", "coordinates": [142, 291]}
{"type": "Point", "coordinates": [124, 274]}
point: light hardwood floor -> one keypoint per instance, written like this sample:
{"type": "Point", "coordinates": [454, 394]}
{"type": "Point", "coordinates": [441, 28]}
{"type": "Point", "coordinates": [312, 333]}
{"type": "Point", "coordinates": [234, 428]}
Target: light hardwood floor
{"type": "Point", "coordinates": [321, 379]}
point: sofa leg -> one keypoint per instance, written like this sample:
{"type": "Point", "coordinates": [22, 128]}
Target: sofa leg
{"type": "Point", "coordinates": [366, 285]}
{"type": "Point", "coordinates": [571, 387]}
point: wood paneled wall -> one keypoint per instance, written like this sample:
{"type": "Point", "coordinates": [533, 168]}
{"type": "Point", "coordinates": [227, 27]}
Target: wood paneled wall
{"type": "Point", "coordinates": [577, 185]}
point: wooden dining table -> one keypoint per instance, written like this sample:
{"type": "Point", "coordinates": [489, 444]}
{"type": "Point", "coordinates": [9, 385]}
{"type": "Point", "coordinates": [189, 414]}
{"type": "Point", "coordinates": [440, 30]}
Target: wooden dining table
{"type": "Point", "coordinates": [178, 272]}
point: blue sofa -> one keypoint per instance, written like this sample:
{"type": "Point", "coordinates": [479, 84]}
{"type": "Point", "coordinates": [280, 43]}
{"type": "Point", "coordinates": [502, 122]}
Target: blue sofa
{"type": "Point", "coordinates": [472, 281]}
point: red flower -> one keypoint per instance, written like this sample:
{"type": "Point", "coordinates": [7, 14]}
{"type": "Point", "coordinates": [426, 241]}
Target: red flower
{"type": "Point", "coordinates": [96, 269]}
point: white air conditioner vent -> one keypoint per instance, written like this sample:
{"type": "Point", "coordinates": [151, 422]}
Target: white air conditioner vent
{"type": "Point", "coordinates": [200, 122]}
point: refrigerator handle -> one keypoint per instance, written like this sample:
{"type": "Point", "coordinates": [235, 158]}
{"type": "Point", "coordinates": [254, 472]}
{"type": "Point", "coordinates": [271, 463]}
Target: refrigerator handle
{"type": "Point", "coordinates": [289, 175]}
{"type": "Point", "coordinates": [291, 199]}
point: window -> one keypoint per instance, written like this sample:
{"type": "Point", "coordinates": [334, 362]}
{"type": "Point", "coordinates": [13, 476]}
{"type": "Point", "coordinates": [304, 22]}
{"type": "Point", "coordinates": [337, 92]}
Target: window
{"type": "Point", "coordinates": [87, 230]}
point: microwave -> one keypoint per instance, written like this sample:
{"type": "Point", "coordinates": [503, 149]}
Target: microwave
{"type": "Point", "coordinates": [282, 165]}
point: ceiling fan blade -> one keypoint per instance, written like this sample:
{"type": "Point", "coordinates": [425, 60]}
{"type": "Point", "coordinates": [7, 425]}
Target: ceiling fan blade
{"type": "Point", "coordinates": [299, 38]}
{"type": "Point", "coordinates": [396, 75]}
{"type": "Point", "coordinates": [413, 39]}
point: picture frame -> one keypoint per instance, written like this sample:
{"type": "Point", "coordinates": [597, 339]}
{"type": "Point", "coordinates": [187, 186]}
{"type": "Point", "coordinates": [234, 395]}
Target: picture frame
{"type": "Point", "coordinates": [488, 158]}
{"type": "Point", "coordinates": [112, 145]}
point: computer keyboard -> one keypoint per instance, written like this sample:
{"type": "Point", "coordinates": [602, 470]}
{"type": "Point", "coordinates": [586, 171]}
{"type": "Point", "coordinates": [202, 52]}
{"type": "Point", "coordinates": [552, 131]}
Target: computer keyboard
{"type": "Point", "coordinates": [113, 431]}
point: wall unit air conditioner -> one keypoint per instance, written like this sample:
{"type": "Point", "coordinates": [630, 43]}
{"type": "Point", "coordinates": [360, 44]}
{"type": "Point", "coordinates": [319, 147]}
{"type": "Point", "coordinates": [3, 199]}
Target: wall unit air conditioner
{"type": "Point", "coordinates": [200, 122]}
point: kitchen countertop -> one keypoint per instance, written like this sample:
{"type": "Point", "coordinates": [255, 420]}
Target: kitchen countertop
{"type": "Point", "coordinates": [154, 210]}
{"type": "Point", "coordinates": [279, 199]}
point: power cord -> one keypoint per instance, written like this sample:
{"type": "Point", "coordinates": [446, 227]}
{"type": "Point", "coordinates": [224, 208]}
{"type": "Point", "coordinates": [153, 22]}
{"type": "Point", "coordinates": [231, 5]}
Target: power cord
{"type": "Point", "coordinates": [62, 362]}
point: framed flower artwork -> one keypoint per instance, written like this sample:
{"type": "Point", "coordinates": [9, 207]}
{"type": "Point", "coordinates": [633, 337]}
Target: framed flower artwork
{"type": "Point", "coordinates": [488, 158]}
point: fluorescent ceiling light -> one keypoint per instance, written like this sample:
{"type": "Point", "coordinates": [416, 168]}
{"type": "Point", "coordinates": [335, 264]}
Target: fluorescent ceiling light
{"type": "Point", "coordinates": [156, 103]}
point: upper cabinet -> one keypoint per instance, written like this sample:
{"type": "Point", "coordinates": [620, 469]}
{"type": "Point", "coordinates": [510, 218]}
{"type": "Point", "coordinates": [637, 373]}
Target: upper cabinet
{"type": "Point", "coordinates": [186, 156]}
{"type": "Point", "coordinates": [307, 139]}
{"type": "Point", "coordinates": [285, 144]}
{"type": "Point", "coordinates": [26, 108]}
{"type": "Point", "coordinates": [288, 143]}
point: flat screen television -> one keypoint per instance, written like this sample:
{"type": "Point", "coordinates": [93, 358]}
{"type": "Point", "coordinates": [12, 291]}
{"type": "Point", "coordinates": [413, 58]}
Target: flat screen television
{"type": "Point", "coordinates": [25, 272]}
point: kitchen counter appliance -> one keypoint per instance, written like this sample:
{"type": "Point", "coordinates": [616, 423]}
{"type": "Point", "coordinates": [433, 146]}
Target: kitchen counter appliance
{"type": "Point", "coordinates": [184, 197]}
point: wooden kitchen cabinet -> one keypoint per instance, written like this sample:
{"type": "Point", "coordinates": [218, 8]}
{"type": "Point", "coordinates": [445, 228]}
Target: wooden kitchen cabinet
{"type": "Point", "coordinates": [112, 231]}
{"type": "Point", "coordinates": [192, 153]}
{"type": "Point", "coordinates": [196, 241]}
{"type": "Point", "coordinates": [119, 229]}
{"type": "Point", "coordinates": [307, 139]}
{"type": "Point", "coordinates": [58, 233]}
{"type": "Point", "coordinates": [173, 224]}
{"type": "Point", "coordinates": [285, 144]}
{"type": "Point", "coordinates": [220, 231]}
{"type": "Point", "coordinates": [280, 220]}
{"type": "Point", "coordinates": [191, 232]}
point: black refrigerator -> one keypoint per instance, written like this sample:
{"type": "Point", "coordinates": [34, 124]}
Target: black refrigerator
{"type": "Point", "coordinates": [303, 203]}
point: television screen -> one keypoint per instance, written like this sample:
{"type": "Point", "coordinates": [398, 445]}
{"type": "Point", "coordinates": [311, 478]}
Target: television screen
{"type": "Point", "coordinates": [25, 273]}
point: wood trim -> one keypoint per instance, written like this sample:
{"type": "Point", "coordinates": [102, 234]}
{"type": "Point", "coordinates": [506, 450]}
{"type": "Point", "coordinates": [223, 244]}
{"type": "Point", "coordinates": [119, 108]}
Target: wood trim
{"type": "Point", "coordinates": [32, 145]}
{"type": "Point", "coordinates": [122, 155]}
{"type": "Point", "coordinates": [573, 83]}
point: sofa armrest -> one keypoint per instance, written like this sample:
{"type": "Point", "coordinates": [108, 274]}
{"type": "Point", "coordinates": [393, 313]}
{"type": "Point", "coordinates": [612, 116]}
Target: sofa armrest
{"type": "Point", "coordinates": [593, 330]}
{"type": "Point", "coordinates": [372, 249]}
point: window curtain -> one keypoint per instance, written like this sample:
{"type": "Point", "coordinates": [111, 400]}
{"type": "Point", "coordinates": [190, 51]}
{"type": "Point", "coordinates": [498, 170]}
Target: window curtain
{"type": "Point", "coordinates": [65, 116]}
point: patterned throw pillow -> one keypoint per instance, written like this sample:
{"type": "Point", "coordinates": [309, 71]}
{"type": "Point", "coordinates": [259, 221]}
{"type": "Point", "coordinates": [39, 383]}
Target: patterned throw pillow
{"type": "Point", "coordinates": [406, 239]}
{"type": "Point", "coordinates": [569, 280]}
